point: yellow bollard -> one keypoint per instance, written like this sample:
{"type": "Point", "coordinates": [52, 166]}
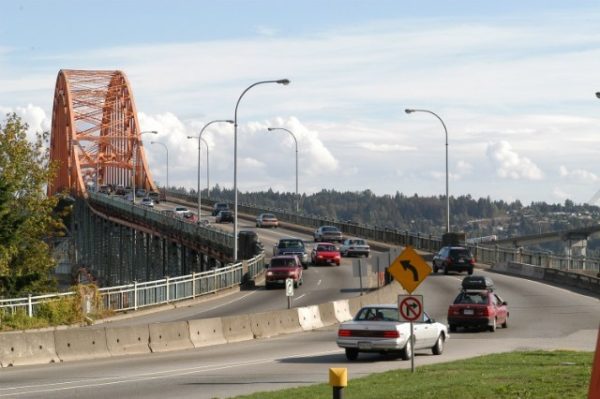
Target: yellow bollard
{"type": "Point", "coordinates": [338, 379]}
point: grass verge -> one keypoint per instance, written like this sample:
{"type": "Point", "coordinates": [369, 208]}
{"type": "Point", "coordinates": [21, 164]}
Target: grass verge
{"type": "Point", "coordinates": [537, 374]}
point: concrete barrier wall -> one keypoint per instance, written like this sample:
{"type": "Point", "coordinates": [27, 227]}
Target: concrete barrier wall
{"type": "Point", "coordinates": [264, 325]}
{"type": "Point", "coordinates": [342, 311]}
{"type": "Point", "coordinates": [165, 337]}
{"type": "Point", "coordinates": [288, 321]}
{"type": "Point", "coordinates": [355, 304]}
{"type": "Point", "coordinates": [309, 317]}
{"type": "Point", "coordinates": [80, 344]}
{"type": "Point", "coordinates": [206, 332]}
{"type": "Point", "coordinates": [237, 328]}
{"type": "Point", "coordinates": [128, 340]}
{"type": "Point", "coordinates": [327, 314]}
{"type": "Point", "coordinates": [18, 348]}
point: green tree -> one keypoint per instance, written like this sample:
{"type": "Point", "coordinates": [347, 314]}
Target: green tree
{"type": "Point", "coordinates": [26, 213]}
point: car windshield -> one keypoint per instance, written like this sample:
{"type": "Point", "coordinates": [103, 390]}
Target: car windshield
{"type": "Point", "coordinates": [377, 314]}
{"type": "Point", "coordinates": [477, 298]}
{"type": "Point", "coordinates": [283, 262]}
{"type": "Point", "coordinates": [460, 253]}
{"type": "Point", "coordinates": [330, 229]}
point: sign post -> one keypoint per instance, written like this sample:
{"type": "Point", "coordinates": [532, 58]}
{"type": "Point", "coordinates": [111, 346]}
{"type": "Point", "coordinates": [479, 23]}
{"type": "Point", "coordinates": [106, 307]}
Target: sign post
{"type": "Point", "coordinates": [410, 308]}
{"type": "Point", "coordinates": [409, 269]}
{"type": "Point", "coordinates": [289, 291]}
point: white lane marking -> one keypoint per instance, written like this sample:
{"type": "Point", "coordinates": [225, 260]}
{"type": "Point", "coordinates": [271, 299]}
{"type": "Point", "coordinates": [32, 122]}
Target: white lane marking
{"type": "Point", "coordinates": [148, 376]}
{"type": "Point", "coordinates": [303, 295]}
{"type": "Point", "coordinates": [227, 303]}
{"type": "Point", "coordinates": [319, 282]}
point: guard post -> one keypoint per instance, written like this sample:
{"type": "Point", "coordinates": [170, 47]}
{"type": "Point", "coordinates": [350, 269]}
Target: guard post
{"type": "Point", "coordinates": [338, 379]}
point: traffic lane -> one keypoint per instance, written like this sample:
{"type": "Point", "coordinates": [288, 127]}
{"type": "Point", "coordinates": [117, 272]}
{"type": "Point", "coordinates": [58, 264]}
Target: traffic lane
{"type": "Point", "coordinates": [242, 368]}
{"type": "Point", "coordinates": [534, 307]}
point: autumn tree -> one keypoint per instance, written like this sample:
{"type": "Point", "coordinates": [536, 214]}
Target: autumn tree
{"type": "Point", "coordinates": [27, 220]}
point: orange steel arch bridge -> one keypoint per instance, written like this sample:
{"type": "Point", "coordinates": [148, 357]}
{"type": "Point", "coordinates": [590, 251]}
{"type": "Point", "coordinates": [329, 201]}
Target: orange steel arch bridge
{"type": "Point", "coordinates": [96, 140]}
{"type": "Point", "coordinates": [95, 136]}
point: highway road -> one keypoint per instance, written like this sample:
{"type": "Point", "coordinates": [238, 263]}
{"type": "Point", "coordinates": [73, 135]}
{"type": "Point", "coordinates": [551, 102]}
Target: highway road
{"type": "Point", "coordinates": [321, 284]}
{"type": "Point", "coordinates": [541, 317]}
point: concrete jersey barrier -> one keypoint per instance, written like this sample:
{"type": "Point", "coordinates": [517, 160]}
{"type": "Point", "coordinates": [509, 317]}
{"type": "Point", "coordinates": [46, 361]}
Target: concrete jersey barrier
{"type": "Point", "coordinates": [237, 328]}
{"type": "Point", "coordinates": [310, 317]}
{"type": "Point", "coordinates": [264, 325]}
{"type": "Point", "coordinates": [327, 314]}
{"type": "Point", "coordinates": [18, 348]}
{"type": "Point", "coordinates": [206, 332]}
{"type": "Point", "coordinates": [288, 321]}
{"type": "Point", "coordinates": [80, 344]}
{"type": "Point", "coordinates": [128, 340]}
{"type": "Point", "coordinates": [165, 337]}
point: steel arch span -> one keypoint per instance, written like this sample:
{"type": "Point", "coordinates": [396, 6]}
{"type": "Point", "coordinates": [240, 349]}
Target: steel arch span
{"type": "Point", "coordinates": [95, 137]}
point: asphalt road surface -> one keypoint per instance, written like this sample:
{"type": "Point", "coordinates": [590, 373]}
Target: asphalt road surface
{"type": "Point", "coordinates": [541, 317]}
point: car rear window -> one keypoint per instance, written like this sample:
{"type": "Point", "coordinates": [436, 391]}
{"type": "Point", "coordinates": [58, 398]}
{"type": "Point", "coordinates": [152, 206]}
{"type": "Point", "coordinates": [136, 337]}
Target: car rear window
{"type": "Point", "coordinates": [290, 244]}
{"type": "Point", "coordinates": [475, 298]}
{"type": "Point", "coordinates": [464, 253]}
{"type": "Point", "coordinates": [377, 314]}
{"type": "Point", "coordinates": [282, 262]}
{"type": "Point", "coordinates": [326, 248]}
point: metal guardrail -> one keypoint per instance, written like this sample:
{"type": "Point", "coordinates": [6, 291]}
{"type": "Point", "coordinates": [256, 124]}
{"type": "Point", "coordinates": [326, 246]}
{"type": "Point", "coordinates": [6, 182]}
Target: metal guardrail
{"type": "Point", "coordinates": [151, 293]}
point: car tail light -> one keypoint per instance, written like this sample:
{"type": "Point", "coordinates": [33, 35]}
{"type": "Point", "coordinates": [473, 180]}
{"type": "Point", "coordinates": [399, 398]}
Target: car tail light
{"type": "Point", "coordinates": [485, 311]}
{"type": "Point", "coordinates": [344, 333]}
{"type": "Point", "coordinates": [452, 311]}
{"type": "Point", "coordinates": [391, 334]}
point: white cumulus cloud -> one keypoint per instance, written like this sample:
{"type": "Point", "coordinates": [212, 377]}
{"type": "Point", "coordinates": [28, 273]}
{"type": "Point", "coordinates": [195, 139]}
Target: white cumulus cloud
{"type": "Point", "coordinates": [578, 175]}
{"type": "Point", "coordinates": [509, 164]}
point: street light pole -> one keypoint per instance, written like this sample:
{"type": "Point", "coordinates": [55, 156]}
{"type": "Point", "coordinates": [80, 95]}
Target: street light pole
{"type": "Point", "coordinates": [164, 145]}
{"type": "Point", "coordinates": [199, 138]}
{"type": "Point", "coordinates": [136, 146]}
{"type": "Point", "coordinates": [270, 129]}
{"type": "Point", "coordinates": [207, 168]}
{"type": "Point", "coordinates": [235, 193]}
{"type": "Point", "coordinates": [409, 111]}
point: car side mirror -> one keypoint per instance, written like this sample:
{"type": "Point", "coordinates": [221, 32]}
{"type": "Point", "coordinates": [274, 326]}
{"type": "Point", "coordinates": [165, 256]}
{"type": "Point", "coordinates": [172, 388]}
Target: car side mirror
{"type": "Point", "coordinates": [505, 303]}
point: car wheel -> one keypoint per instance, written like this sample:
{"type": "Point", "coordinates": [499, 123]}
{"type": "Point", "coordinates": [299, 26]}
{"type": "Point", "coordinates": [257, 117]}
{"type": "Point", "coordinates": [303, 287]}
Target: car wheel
{"type": "Point", "coordinates": [296, 284]}
{"type": "Point", "coordinates": [452, 328]}
{"type": "Point", "coordinates": [406, 352]}
{"type": "Point", "coordinates": [267, 286]}
{"type": "Point", "coordinates": [351, 354]}
{"type": "Point", "coordinates": [505, 324]}
{"type": "Point", "coordinates": [438, 348]}
{"type": "Point", "coordinates": [435, 269]}
{"type": "Point", "coordinates": [446, 269]}
{"type": "Point", "coordinates": [470, 271]}
{"type": "Point", "coordinates": [493, 326]}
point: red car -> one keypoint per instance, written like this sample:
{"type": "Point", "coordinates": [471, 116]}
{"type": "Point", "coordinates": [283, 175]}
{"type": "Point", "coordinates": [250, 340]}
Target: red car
{"type": "Point", "coordinates": [283, 267]}
{"type": "Point", "coordinates": [325, 253]}
{"type": "Point", "coordinates": [478, 308]}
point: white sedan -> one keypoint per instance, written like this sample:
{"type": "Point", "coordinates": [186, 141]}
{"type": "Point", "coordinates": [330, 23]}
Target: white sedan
{"type": "Point", "coordinates": [376, 328]}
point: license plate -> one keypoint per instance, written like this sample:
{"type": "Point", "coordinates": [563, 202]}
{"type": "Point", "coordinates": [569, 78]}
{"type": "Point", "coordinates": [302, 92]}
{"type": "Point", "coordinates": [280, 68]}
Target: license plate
{"type": "Point", "coordinates": [461, 261]}
{"type": "Point", "coordinates": [364, 345]}
{"type": "Point", "coordinates": [468, 312]}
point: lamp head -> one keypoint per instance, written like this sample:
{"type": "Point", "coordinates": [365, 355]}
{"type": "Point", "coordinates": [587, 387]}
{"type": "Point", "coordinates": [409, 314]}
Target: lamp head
{"type": "Point", "coordinates": [191, 137]}
{"type": "Point", "coordinates": [230, 121]}
{"type": "Point", "coordinates": [284, 82]}
{"type": "Point", "coordinates": [409, 111]}
{"type": "Point", "coordinates": [152, 142]}
{"type": "Point", "coordinates": [598, 94]}
{"type": "Point", "coordinates": [270, 129]}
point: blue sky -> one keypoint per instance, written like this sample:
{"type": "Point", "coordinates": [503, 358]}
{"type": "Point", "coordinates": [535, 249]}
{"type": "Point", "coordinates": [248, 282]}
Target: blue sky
{"type": "Point", "coordinates": [514, 82]}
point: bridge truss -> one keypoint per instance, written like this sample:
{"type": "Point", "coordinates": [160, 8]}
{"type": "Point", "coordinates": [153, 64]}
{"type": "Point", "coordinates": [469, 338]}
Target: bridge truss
{"type": "Point", "coordinates": [95, 135]}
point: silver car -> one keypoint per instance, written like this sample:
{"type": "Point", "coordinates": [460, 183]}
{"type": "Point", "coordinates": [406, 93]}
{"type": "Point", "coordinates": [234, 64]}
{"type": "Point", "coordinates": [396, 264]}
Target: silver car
{"type": "Point", "coordinates": [328, 233]}
{"type": "Point", "coordinates": [376, 328]}
{"type": "Point", "coordinates": [355, 247]}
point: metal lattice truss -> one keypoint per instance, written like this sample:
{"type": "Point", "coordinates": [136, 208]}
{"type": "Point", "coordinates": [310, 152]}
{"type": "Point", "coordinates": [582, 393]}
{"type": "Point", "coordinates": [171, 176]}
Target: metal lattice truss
{"type": "Point", "coordinates": [95, 133]}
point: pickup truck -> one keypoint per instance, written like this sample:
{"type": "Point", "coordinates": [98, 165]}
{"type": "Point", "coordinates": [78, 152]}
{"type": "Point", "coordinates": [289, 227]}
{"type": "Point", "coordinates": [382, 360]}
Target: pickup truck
{"type": "Point", "coordinates": [292, 246]}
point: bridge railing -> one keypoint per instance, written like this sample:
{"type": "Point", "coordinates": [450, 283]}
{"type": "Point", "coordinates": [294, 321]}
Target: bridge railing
{"type": "Point", "coordinates": [151, 293]}
{"type": "Point", "coordinates": [160, 219]}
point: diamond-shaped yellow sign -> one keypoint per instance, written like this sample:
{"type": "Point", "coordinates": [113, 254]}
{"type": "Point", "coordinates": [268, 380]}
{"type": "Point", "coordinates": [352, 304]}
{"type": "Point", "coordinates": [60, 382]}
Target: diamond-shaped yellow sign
{"type": "Point", "coordinates": [409, 269]}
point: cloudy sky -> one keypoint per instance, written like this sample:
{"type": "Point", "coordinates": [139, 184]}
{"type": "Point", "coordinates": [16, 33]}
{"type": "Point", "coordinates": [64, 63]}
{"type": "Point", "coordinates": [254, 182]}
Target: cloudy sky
{"type": "Point", "coordinates": [513, 81]}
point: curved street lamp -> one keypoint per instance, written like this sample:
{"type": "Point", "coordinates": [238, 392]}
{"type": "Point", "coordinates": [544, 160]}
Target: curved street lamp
{"type": "Point", "coordinates": [270, 129]}
{"type": "Point", "coordinates": [235, 193]}
{"type": "Point", "coordinates": [410, 111]}
{"type": "Point", "coordinates": [598, 94]}
{"type": "Point", "coordinates": [136, 144]}
{"type": "Point", "coordinates": [199, 138]}
{"type": "Point", "coordinates": [207, 168]}
{"type": "Point", "coordinates": [166, 149]}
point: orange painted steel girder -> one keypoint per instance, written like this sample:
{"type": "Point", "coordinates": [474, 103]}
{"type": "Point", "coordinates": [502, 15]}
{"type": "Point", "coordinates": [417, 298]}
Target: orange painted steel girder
{"type": "Point", "coordinates": [95, 133]}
